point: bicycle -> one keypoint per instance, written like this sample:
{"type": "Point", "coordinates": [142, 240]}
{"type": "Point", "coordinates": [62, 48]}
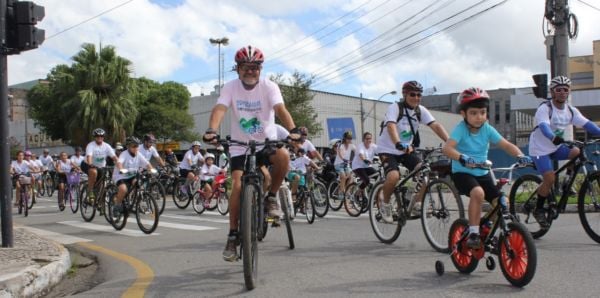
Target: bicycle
{"type": "Point", "coordinates": [217, 199]}
{"type": "Point", "coordinates": [319, 191]}
{"type": "Point", "coordinates": [103, 188]}
{"type": "Point", "coordinates": [25, 190]}
{"type": "Point", "coordinates": [71, 193]}
{"type": "Point", "coordinates": [502, 235]}
{"type": "Point", "coordinates": [588, 198]}
{"type": "Point", "coordinates": [357, 202]}
{"type": "Point", "coordinates": [336, 199]}
{"type": "Point", "coordinates": [182, 193]}
{"type": "Point", "coordinates": [253, 221]}
{"type": "Point", "coordinates": [49, 183]}
{"type": "Point", "coordinates": [305, 203]}
{"type": "Point", "coordinates": [441, 203]}
{"type": "Point", "coordinates": [154, 186]}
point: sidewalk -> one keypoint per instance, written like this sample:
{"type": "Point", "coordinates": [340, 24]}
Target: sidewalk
{"type": "Point", "coordinates": [32, 266]}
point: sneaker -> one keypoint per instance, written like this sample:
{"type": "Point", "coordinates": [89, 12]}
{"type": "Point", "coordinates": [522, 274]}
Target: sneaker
{"type": "Point", "coordinates": [230, 251]}
{"type": "Point", "coordinates": [474, 241]}
{"type": "Point", "coordinates": [540, 216]}
{"type": "Point", "coordinates": [386, 213]}
{"type": "Point", "coordinates": [416, 211]}
{"type": "Point", "coordinates": [117, 210]}
{"type": "Point", "coordinates": [273, 210]}
{"type": "Point", "coordinates": [91, 197]}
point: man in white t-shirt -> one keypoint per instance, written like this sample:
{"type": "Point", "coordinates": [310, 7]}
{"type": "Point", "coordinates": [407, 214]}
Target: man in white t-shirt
{"type": "Point", "coordinates": [77, 158]}
{"type": "Point", "coordinates": [399, 136]}
{"type": "Point", "coordinates": [96, 153]}
{"type": "Point", "coordinates": [546, 141]}
{"type": "Point", "coordinates": [191, 160]}
{"type": "Point", "coordinates": [254, 103]}
{"type": "Point", "coordinates": [307, 145]}
{"type": "Point", "coordinates": [149, 151]}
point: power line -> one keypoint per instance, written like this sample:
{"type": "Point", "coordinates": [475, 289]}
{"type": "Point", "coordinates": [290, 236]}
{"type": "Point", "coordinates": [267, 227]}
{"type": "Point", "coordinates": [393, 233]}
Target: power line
{"type": "Point", "coordinates": [87, 20]}
{"type": "Point", "coordinates": [594, 7]}
{"type": "Point", "coordinates": [417, 43]}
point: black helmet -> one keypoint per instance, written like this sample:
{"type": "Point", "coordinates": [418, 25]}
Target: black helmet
{"type": "Point", "coordinates": [99, 132]}
{"type": "Point", "coordinates": [412, 86]}
{"type": "Point", "coordinates": [78, 149]}
{"type": "Point", "coordinates": [132, 141]}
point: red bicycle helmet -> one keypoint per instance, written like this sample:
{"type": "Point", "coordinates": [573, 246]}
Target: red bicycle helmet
{"type": "Point", "coordinates": [249, 55]}
{"type": "Point", "coordinates": [412, 86]}
{"type": "Point", "coordinates": [472, 95]}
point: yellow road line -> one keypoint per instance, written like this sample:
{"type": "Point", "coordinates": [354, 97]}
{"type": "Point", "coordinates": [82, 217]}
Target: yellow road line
{"type": "Point", "coordinates": [145, 275]}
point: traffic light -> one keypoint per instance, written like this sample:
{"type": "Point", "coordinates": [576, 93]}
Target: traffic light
{"type": "Point", "coordinates": [21, 33]}
{"type": "Point", "coordinates": [541, 85]}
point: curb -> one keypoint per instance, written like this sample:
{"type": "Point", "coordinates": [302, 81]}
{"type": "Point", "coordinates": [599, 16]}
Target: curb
{"type": "Point", "coordinates": [36, 280]}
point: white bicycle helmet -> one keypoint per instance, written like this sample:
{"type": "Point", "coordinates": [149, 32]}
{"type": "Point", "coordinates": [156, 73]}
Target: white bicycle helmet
{"type": "Point", "coordinates": [196, 143]}
{"type": "Point", "coordinates": [209, 155]}
{"type": "Point", "coordinates": [334, 142]}
{"type": "Point", "coordinates": [560, 81]}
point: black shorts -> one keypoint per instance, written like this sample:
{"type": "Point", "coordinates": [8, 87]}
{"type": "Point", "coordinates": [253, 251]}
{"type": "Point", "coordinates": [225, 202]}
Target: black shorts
{"type": "Point", "coordinates": [390, 162]}
{"type": "Point", "coordinates": [62, 178]}
{"type": "Point", "coordinates": [127, 182]}
{"type": "Point", "coordinates": [262, 158]}
{"type": "Point", "coordinates": [85, 168]}
{"type": "Point", "coordinates": [466, 182]}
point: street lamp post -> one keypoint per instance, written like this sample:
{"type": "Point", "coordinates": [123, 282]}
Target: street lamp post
{"type": "Point", "coordinates": [220, 41]}
{"type": "Point", "coordinates": [363, 115]}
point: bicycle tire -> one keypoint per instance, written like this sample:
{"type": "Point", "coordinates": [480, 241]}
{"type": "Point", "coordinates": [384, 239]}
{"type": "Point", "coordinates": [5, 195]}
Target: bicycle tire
{"type": "Point", "coordinates": [86, 209]}
{"type": "Point", "coordinates": [118, 222]}
{"type": "Point", "coordinates": [21, 204]}
{"type": "Point", "coordinates": [441, 206]}
{"type": "Point", "coordinates": [519, 264]}
{"type": "Point", "coordinates": [589, 213]}
{"type": "Point", "coordinates": [31, 196]}
{"type": "Point", "coordinates": [249, 230]}
{"type": "Point", "coordinates": [525, 189]}
{"type": "Point", "coordinates": [213, 203]}
{"type": "Point", "coordinates": [41, 188]}
{"type": "Point", "coordinates": [223, 203]}
{"type": "Point", "coordinates": [146, 205]}
{"type": "Point", "coordinates": [309, 207]}
{"type": "Point", "coordinates": [386, 233]}
{"type": "Point", "coordinates": [198, 203]}
{"type": "Point", "coordinates": [109, 191]}
{"type": "Point", "coordinates": [283, 200]}
{"type": "Point", "coordinates": [65, 194]}
{"type": "Point", "coordinates": [351, 204]}
{"type": "Point", "coordinates": [73, 199]}
{"type": "Point", "coordinates": [181, 200]}
{"type": "Point", "coordinates": [335, 203]}
{"type": "Point", "coordinates": [24, 203]}
{"type": "Point", "coordinates": [158, 192]}
{"type": "Point", "coordinates": [321, 201]}
{"type": "Point", "coordinates": [462, 257]}
{"type": "Point", "coordinates": [49, 185]}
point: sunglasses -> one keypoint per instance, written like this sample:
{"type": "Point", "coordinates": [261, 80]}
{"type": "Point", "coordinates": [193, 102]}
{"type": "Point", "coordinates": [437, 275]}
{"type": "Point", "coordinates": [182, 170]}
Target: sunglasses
{"type": "Point", "coordinates": [250, 67]}
{"type": "Point", "coordinates": [368, 139]}
{"type": "Point", "coordinates": [561, 89]}
{"type": "Point", "coordinates": [414, 94]}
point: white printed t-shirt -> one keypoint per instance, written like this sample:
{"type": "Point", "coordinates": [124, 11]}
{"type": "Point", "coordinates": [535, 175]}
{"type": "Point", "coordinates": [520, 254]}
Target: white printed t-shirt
{"type": "Point", "coordinates": [207, 173]}
{"type": "Point", "coordinates": [77, 160]}
{"type": "Point", "coordinates": [252, 113]}
{"type": "Point", "coordinates": [20, 168]}
{"type": "Point", "coordinates": [538, 143]}
{"type": "Point", "coordinates": [299, 164]}
{"type": "Point", "coordinates": [384, 142]}
{"type": "Point", "coordinates": [131, 163]}
{"type": "Point", "coordinates": [185, 163]}
{"type": "Point", "coordinates": [99, 153]}
{"type": "Point", "coordinates": [344, 152]}
{"type": "Point", "coordinates": [368, 154]}
{"type": "Point", "coordinates": [148, 153]}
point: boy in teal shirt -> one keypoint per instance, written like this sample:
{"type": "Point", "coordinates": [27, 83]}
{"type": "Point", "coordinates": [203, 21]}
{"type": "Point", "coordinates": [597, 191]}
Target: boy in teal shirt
{"type": "Point", "coordinates": [468, 145]}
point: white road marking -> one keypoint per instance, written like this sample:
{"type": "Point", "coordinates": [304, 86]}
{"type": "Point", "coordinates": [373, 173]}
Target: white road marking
{"type": "Point", "coordinates": [180, 226]}
{"type": "Point", "coordinates": [58, 237]}
{"type": "Point", "coordinates": [195, 218]}
{"type": "Point", "coordinates": [109, 229]}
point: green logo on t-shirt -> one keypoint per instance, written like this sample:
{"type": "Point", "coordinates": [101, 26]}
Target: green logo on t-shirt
{"type": "Point", "coordinates": [559, 133]}
{"type": "Point", "coordinates": [405, 135]}
{"type": "Point", "coordinates": [251, 126]}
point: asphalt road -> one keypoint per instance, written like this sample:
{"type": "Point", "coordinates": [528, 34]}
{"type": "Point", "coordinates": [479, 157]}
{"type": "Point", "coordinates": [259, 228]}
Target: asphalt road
{"type": "Point", "coordinates": [337, 256]}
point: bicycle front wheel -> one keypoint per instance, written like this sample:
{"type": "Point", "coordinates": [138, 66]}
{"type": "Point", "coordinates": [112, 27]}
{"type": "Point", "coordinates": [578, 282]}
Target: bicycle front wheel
{"type": "Point", "coordinates": [336, 198]}
{"type": "Point", "coordinates": [198, 203]}
{"type": "Point", "coordinates": [49, 185]}
{"type": "Point", "coordinates": [309, 207]}
{"type": "Point", "coordinates": [385, 232]}
{"type": "Point", "coordinates": [285, 207]}
{"type": "Point", "coordinates": [87, 208]}
{"type": "Point", "coordinates": [523, 200]}
{"type": "Point", "coordinates": [73, 198]}
{"type": "Point", "coordinates": [441, 206]}
{"type": "Point", "coordinates": [118, 221]}
{"type": "Point", "coordinates": [159, 194]}
{"type": "Point", "coordinates": [249, 218]}
{"type": "Point", "coordinates": [41, 187]}
{"type": "Point", "coordinates": [223, 203]}
{"type": "Point", "coordinates": [518, 255]}
{"type": "Point", "coordinates": [146, 212]}
{"type": "Point", "coordinates": [181, 198]}
{"type": "Point", "coordinates": [588, 206]}
{"type": "Point", "coordinates": [352, 203]}
{"type": "Point", "coordinates": [320, 194]}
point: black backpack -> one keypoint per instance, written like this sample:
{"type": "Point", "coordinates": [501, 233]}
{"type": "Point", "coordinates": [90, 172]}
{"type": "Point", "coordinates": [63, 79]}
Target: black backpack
{"type": "Point", "coordinates": [402, 108]}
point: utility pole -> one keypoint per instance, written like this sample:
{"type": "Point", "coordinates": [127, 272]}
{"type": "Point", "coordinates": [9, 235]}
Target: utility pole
{"type": "Point", "coordinates": [5, 191]}
{"type": "Point", "coordinates": [220, 41]}
{"type": "Point", "coordinates": [362, 116]}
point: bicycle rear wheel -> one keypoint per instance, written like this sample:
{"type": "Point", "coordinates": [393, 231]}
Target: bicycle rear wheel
{"type": "Point", "coordinates": [353, 204]}
{"type": "Point", "coordinates": [320, 194]}
{"type": "Point", "coordinates": [285, 207]}
{"type": "Point", "coordinates": [441, 206]}
{"type": "Point", "coordinates": [146, 212]}
{"type": "Point", "coordinates": [87, 208]}
{"type": "Point", "coordinates": [336, 199]}
{"type": "Point", "coordinates": [523, 199]}
{"type": "Point", "coordinates": [588, 206]}
{"type": "Point", "coordinates": [385, 232]}
{"type": "Point", "coordinates": [249, 229]}
{"type": "Point", "coordinates": [180, 196]}
{"type": "Point", "coordinates": [198, 203]}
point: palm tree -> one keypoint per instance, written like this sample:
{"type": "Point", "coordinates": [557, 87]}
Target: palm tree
{"type": "Point", "coordinates": [99, 93]}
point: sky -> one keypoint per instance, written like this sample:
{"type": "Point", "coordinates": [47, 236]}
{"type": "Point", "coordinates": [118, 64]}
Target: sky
{"type": "Point", "coordinates": [353, 47]}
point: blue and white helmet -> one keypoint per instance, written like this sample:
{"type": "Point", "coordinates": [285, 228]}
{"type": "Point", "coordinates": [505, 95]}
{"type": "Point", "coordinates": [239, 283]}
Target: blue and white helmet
{"type": "Point", "coordinates": [560, 81]}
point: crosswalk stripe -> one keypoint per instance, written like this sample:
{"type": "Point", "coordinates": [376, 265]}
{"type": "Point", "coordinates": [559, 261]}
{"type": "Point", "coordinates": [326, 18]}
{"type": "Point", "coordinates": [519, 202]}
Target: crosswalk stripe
{"type": "Point", "coordinates": [180, 226]}
{"type": "Point", "coordinates": [58, 237]}
{"type": "Point", "coordinates": [195, 218]}
{"type": "Point", "coordinates": [110, 229]}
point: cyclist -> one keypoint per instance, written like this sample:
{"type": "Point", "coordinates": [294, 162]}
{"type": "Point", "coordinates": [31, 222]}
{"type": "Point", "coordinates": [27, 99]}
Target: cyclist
{"type": "Point", "coordinates": [468, 144]}
{"type": "Point", "coordinates": [128, 164]}
{"type": "Point", "coordinates": [298, 168]}
{"type": "Point", "coordinates": [39, 169]}
{"type": "Point", "coordinates": [77, 158]}
{"type": "Point", "coordinates": [223, 160]}
{"type": "Point", "coordinates": [398, 138]}
{"type": "Point", "coordinates": [171, 158]}
{"type": "Point", "coordinates": [48, 162]}
{"type": "Point", "coordinates": [307, 145]}
{"type": "Point", "coordinates": [63, 167]}
{"type": "Point", "coordinates": [207, 175]}
{"type": "Point", "coordinates": [546, 141]}
{"type": "Point", "coordinates": [361, 164]}
{"type": "Point", "coordinates": [191, 160]}
{"type": "Point", "coordinates": [254, 102]}
{"type": "Point", "coordinates": [342, 162]}
{"type": "Point", "coordinates": [96, 153]}
{"type": "Point", "coordinates": [148, 150]}
{"type": "Point", "coordinates": [19, 167]}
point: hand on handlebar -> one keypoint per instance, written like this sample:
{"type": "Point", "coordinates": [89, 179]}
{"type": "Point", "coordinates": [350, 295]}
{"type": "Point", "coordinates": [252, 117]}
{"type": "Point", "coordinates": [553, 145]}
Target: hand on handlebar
{"type": "Point", "coordinates": [557, 140]}
{"type": "Point", "coordinates": [524, 161]}
{"type": "Point", "coordinates": [466, 161]}
{"type": "Point", "coordinates": [123, 171]}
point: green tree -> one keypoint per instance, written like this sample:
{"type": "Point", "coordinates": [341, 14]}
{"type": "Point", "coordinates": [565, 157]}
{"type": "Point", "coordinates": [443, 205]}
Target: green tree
{"type": "Point", "coordinates": [95, 91]}
{"type": "Point", "coordinates": [298, 97]}
{"type": "Point", "coordinates": [164, 110]}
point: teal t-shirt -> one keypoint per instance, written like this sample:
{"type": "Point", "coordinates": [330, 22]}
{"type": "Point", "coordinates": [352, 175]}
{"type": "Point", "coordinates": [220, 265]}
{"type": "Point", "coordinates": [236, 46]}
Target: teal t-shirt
{"type": "Point", "coordinates": [475, 145]}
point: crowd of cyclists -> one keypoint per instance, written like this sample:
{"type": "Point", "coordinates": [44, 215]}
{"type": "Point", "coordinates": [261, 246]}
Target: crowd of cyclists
{"type": "Point", "coordinates": [255, 102]}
